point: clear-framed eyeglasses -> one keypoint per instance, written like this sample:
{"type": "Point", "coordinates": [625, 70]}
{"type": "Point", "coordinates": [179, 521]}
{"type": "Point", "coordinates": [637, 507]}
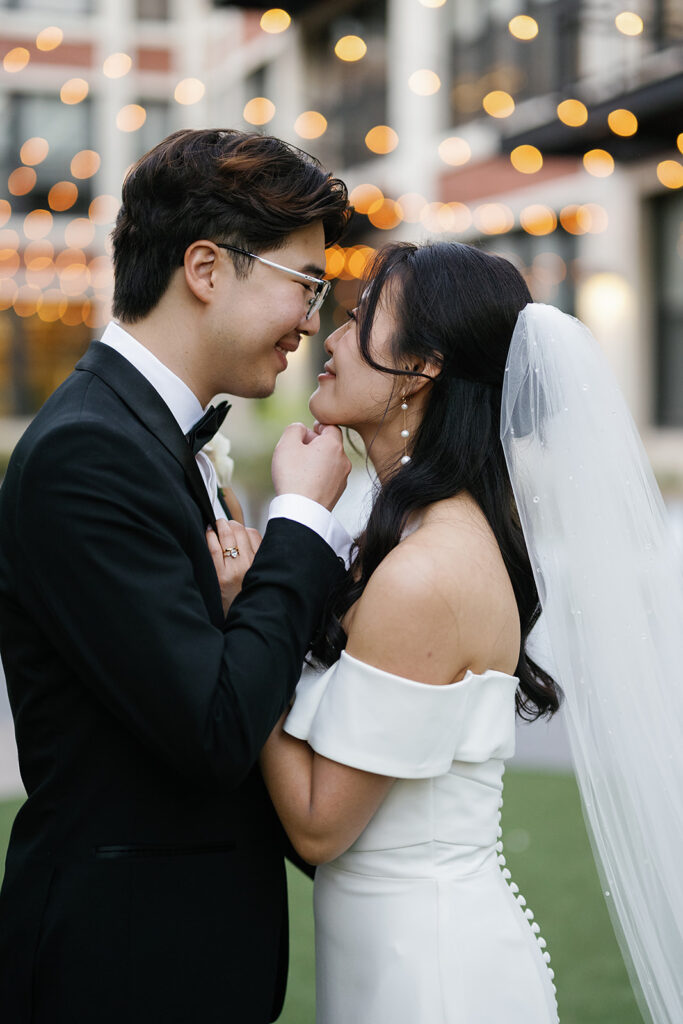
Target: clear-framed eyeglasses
{"type": "Point", "coordinates": [320, 288]}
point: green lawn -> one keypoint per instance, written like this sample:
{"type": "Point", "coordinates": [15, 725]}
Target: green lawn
{"type": "Point", "coordinates": [548, 853]}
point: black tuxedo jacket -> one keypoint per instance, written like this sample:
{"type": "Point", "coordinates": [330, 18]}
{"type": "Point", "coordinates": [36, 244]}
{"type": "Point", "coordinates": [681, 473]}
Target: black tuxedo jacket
{"type": "Point", "coordinates": [144, 879]}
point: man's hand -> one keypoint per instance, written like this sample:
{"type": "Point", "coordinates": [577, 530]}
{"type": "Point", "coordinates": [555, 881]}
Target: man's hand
{"type": "Point", "coordinates": [312, 463]}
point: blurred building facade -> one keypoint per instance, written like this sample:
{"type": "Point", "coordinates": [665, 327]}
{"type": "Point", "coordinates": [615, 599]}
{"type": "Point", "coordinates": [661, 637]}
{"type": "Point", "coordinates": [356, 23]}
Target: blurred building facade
{"type": "Point", "coordinates": [539, 129]}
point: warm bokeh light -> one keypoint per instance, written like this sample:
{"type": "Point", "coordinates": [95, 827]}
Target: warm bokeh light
{"type": "Point", "coordinates": [74, 279]}
{"type": "Point", "coordinates": [37, 224]}
{"type": "Point", "coordinates": [189, 91]}
{"type": "Point", "coordinates": [350, 48]}
{"type": "Point", "coordinates": [385, 214]}
{"type": "Point", "coordinates": [34, 151]}
{"type": "Point", "coordinates": [5, 211]}
{"type": "Point", "coordinates": [117, 65]}
{"type": "Point", "coordinates": [430, 218]}
{"type": "Point", "coordinates": [453, 218]}
{"type": "Point", "coordinates": [498, 103]}
{"type": "Point", "coordinates": [381, 139]}
{"type": "Point", "coordinates": [592, 218]}
{"type": "Point", "coordinates": [598, 162]}
{"type": "Point", "coordinates": [66, 258]}
{"type": "Point", "coordinates": [523, 27]}
{"type": "Point", "coordinates": [73, 314]}
{"type": "Point", "coordinates": [21, 181]}
{"type": "Point", "coordinates": [8, 291]}
{"type": "Point", "coordinates": [679, 142]}
{"type": "Point", "coordinates": [131, 117]}
{"type": "Point", "coordinates": [38, 254]}
{"type": "Point", "coordinates": [74, 91]}
{"type": "Point", "coordinates": [629, 23]}
{"type": "Point", "coordinates": [572, 113]}
{"type": "Point", "coordinates": [49, 38]}
{"type": "Point", "coordinates": [538, 219]}
{"type": "Point", "coordinates": [670, 173]}
{"type": "Point", "coordinates": [310, 125]}
{"type": "Point", "coordinates": [412, 204]}
{"type": "Point", "coordinates": [52, 305]}
{"type": "Point", "coordinates": [424, 82]}
{"type": "Point", "coordinates": [493, 218]}
{"type": "Point", "coordinates": [622, 122]}
{"type": "Point", "coordinates": [62, 196]}
{"type": "Point", "coordinates": [569, 219]}
{"type": "Point", "coordinates": [79, 232]}
{"type": "Point", "coordinates": [26, 302]}
{"type": "Point", "coordinates": [9, 239]}
{"type": "Point", "coordinates": [85, 164]}
{"type": "Point", "coordinates": [101, 273]}
{"type": "Point", "coordinates": [103, 209]}
{"type": "Point", "coordinates": [334, 261]}
{"type": "Point", "coordinates": [16, 59]}
{"type": "Point", "coordinates": [362, 197]}
{"type": "Point", "coordinates": [94, 315]}
{"type": "Point", "coordinates": [259, 110]}
{"type": "Point", "coordinates": [358, 259]}
{"type": "Point", "coordinates": [455, 151]}
{"type": "Point", "coordinates": [526, 159]}
{"type": "Point", "coordinates": [275, 20]}
{"type": "Point", "coordinates": [9, 262]}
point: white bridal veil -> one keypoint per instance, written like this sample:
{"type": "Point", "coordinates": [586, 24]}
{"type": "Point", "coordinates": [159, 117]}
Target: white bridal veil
{"type": "Point", "coordinates": [609, 577]}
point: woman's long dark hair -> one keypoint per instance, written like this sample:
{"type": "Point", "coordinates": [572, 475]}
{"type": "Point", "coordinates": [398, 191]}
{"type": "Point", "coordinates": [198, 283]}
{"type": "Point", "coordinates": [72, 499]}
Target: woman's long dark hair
{"type": "Point", "coordinates": [456, 307]}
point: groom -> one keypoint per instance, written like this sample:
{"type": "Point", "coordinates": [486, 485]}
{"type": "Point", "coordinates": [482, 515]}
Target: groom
{"type": "Point", "coordinates": [144, 879]}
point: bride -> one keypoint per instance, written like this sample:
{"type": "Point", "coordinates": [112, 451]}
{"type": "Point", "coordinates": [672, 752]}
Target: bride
{"type": "Point", "coordinates": [387, 771]}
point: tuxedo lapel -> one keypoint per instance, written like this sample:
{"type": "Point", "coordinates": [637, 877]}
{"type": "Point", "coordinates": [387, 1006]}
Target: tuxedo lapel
{"type": "Point", "coordinates": [146, 404]}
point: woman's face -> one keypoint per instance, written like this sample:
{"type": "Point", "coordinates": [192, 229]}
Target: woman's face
{"type": "Point", "coordinates": [350, 392]}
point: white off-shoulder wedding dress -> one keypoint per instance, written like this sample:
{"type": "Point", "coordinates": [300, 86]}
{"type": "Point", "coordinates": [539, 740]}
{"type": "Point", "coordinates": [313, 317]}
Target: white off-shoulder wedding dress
{"type": "Point", "coordinates": [419, 922]}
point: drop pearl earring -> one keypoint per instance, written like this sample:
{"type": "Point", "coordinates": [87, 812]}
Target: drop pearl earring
{"type": "Point", "coordinates": [405, 433]}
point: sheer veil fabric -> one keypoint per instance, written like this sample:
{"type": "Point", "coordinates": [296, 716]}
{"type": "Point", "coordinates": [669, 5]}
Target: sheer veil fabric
{"type": "Point", "coordinates": [609, 577]}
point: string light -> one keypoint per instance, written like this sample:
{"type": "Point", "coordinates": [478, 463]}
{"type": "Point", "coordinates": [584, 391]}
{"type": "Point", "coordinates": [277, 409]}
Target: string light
{"type": "Point", "coordinates": [34, 151]}
{"type": "Point", "coordinates": [362, 197]}
{"type": "Point", "coordinates": [455, 151]}
{"type": "Point", "coordinates": [116, 65]}
{"type": "Point", "coordinates": [670, 173]}
{"type": "Point", "coordinates": [493, 218]}
{"type": "Point", "coordinates": [189, 91]}
{"type": "Point", "coordinates": [411, 204]}
{"type": "Point", "coordinates": [381, 139]}
{"type": "Point", "coordinates": [523, 27]}
{"type": "Point", "coordinates": [74, 91]}
{"type": "Point", "coordinates": [538, 219]}
{"type": "Point", "coordinates": [62, 196]}
{"type": "Point", "coordinates": [629, 23]}
{"type": "Point", "coordinates": [16, 59]}
{"type": "Point", "coordinates": [275, 20]}
{"type": "Point", "coordinates": [37, 224]}
{"type": "Point", "coordinates": [598, 162]}
{"type": "Point", "coordinates": [334, 261]}
{"type": "Point", "coordinates": [526, 159]}
{"type": "Point", "coordinates": [131, 117]}
{"type": "Point", "coordinates": [103, 209]}
{"type": "Point", "coordinates": [259, 110]}
{"type": "Point", "coordinates": [498, 103]}
{"type": "Point", "coordinates": [572, 113]}
{"type": "Point", "coordinates": [350, 48]}
{"type": "Point", "coordinates": [49, 38]}
{"type": "Point", "coordinates": [385, 214]}
{"type": "Point", "coordinates": [310, 125]}
{"type": "Point", "coordinates": [85, 163]}
{"type": "Point", "coordinates": [622, 122]}
{"type": "Point", "coordinates": [21, 181]}
{"type": "Point", "coordinates": [5, 211]}
{"type": "Point", "coordinates": [424, 82]}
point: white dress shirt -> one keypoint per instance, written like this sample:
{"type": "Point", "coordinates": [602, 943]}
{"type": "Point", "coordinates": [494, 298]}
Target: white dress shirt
{"type": "Point", "coordinates": [186, 409]}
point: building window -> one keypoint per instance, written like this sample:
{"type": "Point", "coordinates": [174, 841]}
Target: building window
{"type": "Point", "coordinates": [668, 285]}
{"type": "Point", "coordinates": [156, 10]}
{"type": "Point", "coordinates": [65, 128]}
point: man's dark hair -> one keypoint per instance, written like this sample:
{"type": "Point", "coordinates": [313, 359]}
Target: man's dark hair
{"type": "Point", "coordinates": [241, 188]}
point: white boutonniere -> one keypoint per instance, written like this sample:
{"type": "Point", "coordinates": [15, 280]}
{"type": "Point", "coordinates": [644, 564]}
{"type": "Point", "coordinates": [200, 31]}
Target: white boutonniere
{"type": "Point", "coordinates": [218, 450]}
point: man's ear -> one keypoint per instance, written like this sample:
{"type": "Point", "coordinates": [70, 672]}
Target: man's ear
{"type": "Point", "coordinates": [200, 264]}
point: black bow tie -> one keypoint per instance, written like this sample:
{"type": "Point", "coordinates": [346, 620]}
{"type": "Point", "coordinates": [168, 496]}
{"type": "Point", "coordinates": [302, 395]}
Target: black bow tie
{"type": "Point", "coordinates": [206, 426]}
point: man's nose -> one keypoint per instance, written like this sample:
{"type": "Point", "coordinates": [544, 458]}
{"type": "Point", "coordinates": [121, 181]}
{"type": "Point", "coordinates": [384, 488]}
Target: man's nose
{"type": "Point", "coordinates": [310, 326]}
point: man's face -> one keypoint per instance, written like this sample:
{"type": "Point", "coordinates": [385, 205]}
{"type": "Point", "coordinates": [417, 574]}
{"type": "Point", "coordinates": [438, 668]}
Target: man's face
{"type": "Point", "coordinates": [257, 320]}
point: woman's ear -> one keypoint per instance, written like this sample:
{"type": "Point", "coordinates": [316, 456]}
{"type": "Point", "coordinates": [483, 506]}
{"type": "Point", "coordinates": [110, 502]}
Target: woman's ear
{"type": "Point", "coordinates": [424, 373]}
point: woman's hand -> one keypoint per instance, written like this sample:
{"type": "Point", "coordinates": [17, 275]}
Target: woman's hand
{"type": "Point", "coordinates": [231, 568]}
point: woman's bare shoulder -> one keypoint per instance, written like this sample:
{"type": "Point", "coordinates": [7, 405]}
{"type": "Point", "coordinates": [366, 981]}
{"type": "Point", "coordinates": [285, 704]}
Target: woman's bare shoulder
{"type": "Point", "coordinates": [440, 602]}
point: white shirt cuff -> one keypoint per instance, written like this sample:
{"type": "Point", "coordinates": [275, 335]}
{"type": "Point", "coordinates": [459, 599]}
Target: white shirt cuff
{"type": "Point", "coordinates": [317, 518]}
